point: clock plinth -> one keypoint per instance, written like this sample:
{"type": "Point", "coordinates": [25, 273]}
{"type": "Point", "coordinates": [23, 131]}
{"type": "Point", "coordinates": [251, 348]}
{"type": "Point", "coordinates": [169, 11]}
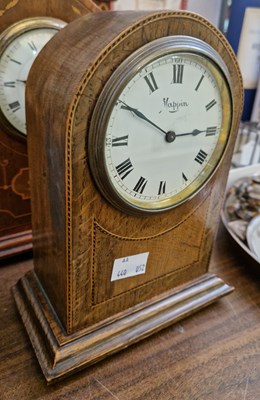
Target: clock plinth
{"type": "Point", "coordinates": [77, 306]}
{"type": "Point", "coordinates": [61, 355]}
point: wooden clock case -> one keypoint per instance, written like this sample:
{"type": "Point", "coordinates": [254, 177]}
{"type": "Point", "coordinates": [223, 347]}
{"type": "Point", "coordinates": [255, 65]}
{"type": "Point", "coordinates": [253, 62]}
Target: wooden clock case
{"type": "Point", "coordinates": [15, 210]}
{"type": "Point", "coordinates": [72, 311]}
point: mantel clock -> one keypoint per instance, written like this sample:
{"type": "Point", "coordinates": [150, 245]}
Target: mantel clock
{"type": "Point", "coordinates": [136, 115]}
{"type": "Point", "coordinates": [26, 27]}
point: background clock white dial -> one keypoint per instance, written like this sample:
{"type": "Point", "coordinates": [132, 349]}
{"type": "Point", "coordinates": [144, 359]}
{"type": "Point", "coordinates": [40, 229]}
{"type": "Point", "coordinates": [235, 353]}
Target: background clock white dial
{"type": "Point", "coordinates": [166, 129]}
{"type": "Point", "coordinates": [20, 46]}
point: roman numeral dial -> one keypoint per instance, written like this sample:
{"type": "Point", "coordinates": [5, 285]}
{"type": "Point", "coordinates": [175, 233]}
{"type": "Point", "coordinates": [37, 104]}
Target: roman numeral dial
{"type": "Point", "coordinates": [199, 82]}
{"type": "Point", "coordinates": [162, 188]}
{"type": "Point", "coordinates": [211, 131]}
{"type": "Point", "coordinates": [165, 131]}
{"type": "Point", "coordinates": [140, 186]}
{"type": "Point", "coordinates": [211, 104]}
{"type": "Point", "coordinates": [9, 84]}
{"type": "Point", "coordinates": [124, 168]}
{"type": "Point", "coordinates": [151, 82]}
{"type": "Point", "coordinates": [32, 46]}
{"type": "Point", "coordinates": [178, 70]}
{"type": "Point", "coordinates": [17, 56]}
{"type": "Point", "coordinates": [120, 141]}
{"type": "Point", "coordinates": [15, 106]}
{"type": "Point", "coordinates": [201, 157]}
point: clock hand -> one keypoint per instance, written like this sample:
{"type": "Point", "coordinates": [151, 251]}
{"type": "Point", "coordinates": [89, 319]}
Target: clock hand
{"type": "Point", "coordinates": [195, 132]}
{"type": "Point", "coordinates": [169, 136]}
{"type": "Point", "coordinates": [141, 115]}
{"type": "Point", "coordinates": [19, 80]}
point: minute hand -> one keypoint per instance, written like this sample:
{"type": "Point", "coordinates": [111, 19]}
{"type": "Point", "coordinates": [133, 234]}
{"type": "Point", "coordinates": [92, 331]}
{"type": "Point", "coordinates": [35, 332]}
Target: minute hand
{"type": "Point", "coordinates": [140, 115]}
{"type": "Point", "coordinates": [193, 133]}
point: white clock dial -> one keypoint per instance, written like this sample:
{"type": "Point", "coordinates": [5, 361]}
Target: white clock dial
{"type": "Point", "coordinates": [166, 129]}
{"type": "Point", "coordinates": [16, 59]}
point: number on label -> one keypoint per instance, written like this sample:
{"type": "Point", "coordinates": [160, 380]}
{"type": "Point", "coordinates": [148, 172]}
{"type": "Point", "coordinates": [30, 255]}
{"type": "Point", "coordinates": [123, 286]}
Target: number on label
{"type": "Point", "coordinates": [121, 273]}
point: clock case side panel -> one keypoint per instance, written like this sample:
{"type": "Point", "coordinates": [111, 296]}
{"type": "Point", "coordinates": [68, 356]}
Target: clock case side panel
{"type": "Point", "coordinates": [47, 178]}
{"type": "Point", "coordinates": [15, 209]}
{"type": "Point", "coordinates": [52, 83]}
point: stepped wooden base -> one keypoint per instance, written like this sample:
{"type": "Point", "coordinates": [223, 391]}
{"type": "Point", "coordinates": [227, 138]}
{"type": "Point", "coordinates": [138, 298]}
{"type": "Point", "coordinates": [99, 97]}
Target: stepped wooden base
{"type": "Point", "coordinates": [60, 354]}
{"type": "Point", "coordinates": [17, 243]}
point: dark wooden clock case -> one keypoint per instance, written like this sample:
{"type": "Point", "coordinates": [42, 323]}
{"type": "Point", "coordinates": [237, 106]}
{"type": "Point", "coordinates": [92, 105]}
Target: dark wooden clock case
{"type": "Point", "coordinates": [72, 311]}
{"type": "Point", "coordinates": [15, 210]}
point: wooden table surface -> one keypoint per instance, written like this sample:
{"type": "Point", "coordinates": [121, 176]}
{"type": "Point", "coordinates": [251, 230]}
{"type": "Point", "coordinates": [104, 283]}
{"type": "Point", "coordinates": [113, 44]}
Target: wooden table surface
{"type": "Point", "coordinates": [212, 355]}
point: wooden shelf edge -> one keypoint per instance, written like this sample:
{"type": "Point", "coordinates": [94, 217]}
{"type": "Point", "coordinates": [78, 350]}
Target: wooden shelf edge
{"type": "Point", "coordinates": [60, 360]}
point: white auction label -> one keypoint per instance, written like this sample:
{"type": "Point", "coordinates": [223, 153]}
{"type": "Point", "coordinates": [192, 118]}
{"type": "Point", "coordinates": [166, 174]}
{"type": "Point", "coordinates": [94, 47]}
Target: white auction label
{"type": "Point", "coordinates": [129, 266]}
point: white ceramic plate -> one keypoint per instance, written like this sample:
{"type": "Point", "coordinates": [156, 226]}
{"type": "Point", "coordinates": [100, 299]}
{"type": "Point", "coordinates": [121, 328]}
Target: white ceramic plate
{"type": "Point", "coordinates": [234, 175]}
{"type": "Point", "coordinates": [253, 236]}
